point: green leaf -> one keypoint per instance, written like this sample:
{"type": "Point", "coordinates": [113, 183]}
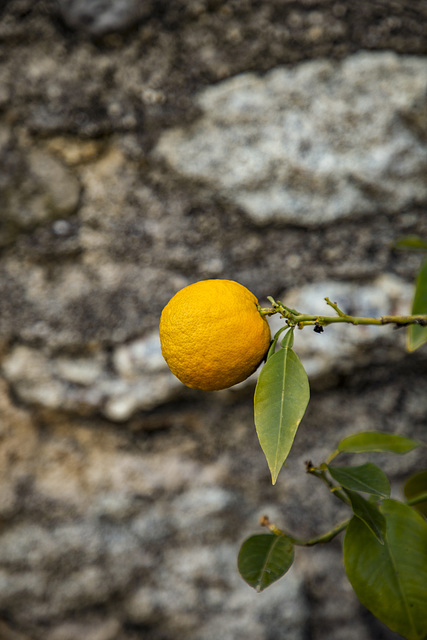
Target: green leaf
{"type": "Point", "coordinates": [265, 558]}
{"type": "Point", "coordinates": [413, 243]}
{"type": "Point", "coordinates": [417, 335]}
{"type": "Point", "coordinates": [369, 514]}
{"type": "Point", "coordinates": [281, 397]}
{"type": "Point", "coordinates": [377, 441]}
{"type": "Point", "coordinates": [416, 486]}
{"type": "Point", "coordinates": [288, 340]}
{"type": "Point", "coordinates": [367, 478]}
{"type": "Point", "coordinates": [390, 579]}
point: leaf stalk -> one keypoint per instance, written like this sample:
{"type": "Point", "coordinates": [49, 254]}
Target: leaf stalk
{"type": "Point", "coordinates": [422, 497]}
{"type": "Point", "coordinates": [325, 537]}
{"type": "Point", "coordinates": [336, 490]}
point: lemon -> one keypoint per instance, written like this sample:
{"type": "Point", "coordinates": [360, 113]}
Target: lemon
{"type": "Point", "coordinates": [212, 334]}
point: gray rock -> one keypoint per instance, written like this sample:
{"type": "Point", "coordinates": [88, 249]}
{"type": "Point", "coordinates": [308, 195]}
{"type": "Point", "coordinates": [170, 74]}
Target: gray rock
{"type": "Point", "coordinates": [35, 188]}
{"type": "Point", "coordinates": [139, 379]}
{"type": "Point", "coordinates": [313, 144]}
{"type": "Point", "coordinates": [98, 17]}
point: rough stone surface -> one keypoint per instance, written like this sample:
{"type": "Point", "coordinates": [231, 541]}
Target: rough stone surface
{"type": "Point", "coordinates": [124, 496]}
{"type": "Point", "coordinates": [312, 144]}
{"type": "Point", "coordinates": [138, 378]}
{"type": "Point", "coordinates": [35, 188]}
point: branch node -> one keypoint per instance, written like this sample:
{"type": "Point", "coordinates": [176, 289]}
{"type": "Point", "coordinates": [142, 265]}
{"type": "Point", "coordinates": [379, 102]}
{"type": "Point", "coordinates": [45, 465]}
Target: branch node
{"type": "Point", "coordinates": [336, 308]}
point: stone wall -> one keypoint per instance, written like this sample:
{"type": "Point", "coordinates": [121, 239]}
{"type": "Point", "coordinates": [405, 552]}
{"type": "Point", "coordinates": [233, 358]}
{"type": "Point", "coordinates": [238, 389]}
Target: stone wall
{"type": "Point", "coordinates": [143, 146]}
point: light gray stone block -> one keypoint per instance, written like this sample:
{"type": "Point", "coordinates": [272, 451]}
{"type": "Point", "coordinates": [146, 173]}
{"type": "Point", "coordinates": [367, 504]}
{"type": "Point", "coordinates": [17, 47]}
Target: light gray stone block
{"type": "Point", "coordinates": [312, 144]}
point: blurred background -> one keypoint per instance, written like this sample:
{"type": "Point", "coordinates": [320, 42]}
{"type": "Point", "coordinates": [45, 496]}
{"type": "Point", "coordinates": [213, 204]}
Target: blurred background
{"type": "Point", "coordinates": [144, 145]}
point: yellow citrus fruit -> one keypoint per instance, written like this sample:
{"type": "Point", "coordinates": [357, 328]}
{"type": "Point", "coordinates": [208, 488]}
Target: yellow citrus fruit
{"type": "Point", "coordinates": [212, 334]}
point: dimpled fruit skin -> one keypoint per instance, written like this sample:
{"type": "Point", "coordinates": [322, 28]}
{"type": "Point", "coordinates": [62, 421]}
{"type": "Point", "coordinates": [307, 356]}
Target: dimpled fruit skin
{"type": "Point", "coordinates": [212, 334]}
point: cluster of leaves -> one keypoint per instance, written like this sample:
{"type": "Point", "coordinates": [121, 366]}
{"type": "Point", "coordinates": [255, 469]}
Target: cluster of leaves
{"type": "Point", "coordinates": [385, 543]}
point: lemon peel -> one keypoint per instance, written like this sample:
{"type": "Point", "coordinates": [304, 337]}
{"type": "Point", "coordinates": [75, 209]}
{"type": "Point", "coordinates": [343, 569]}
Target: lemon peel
{"type": "Point", "coordinates": [212, 335]}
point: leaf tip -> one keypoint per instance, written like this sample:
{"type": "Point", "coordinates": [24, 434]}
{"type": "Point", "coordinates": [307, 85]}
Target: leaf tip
{"type": "Point", "coordinates": [275, 474]}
